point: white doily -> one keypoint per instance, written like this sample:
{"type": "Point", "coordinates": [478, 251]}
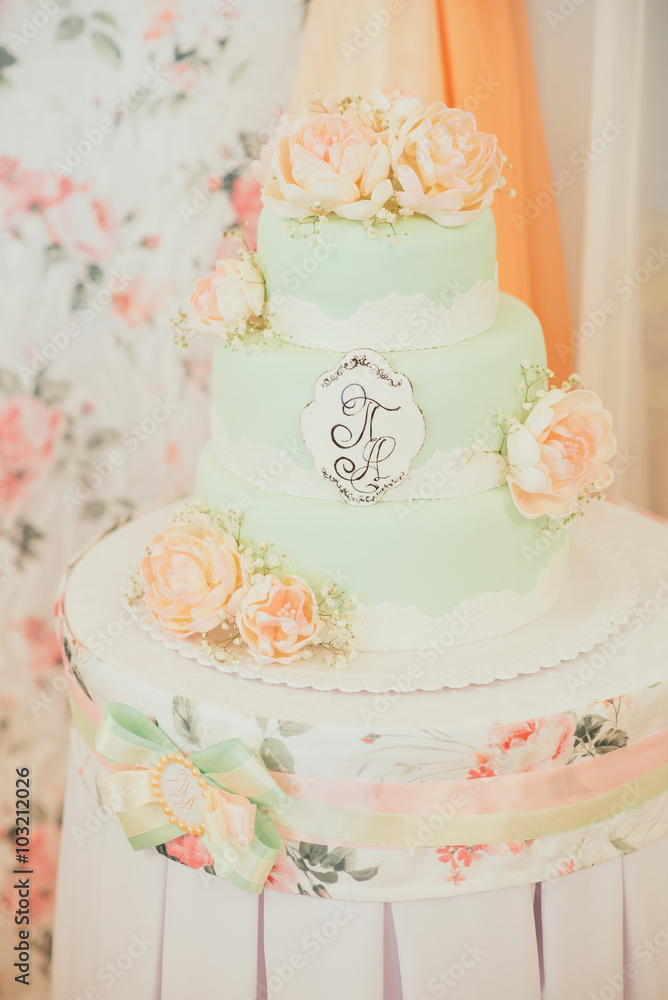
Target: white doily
{"type": "Point", "coordinates": [599, 597]}
{"type": "Point", "coordinates": [446, 474]}
{"type": "Point", "coordinates": [397, 323]}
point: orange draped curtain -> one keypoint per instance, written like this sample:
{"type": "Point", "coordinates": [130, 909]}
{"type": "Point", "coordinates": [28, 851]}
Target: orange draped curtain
{"type": "Point", "coordinates": [474, 54]}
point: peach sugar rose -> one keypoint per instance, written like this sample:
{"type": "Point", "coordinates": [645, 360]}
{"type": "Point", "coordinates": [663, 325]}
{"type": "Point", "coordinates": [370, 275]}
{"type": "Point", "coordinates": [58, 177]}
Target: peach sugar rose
{"type": "Point", "coordinates": [193, 575]}
{"type": "Point", "coordinates": [232, 295]}
{"type": "Point", "coordinates": [445, 169]}
{"type": "Point", "coordinates": [325, 160]}
{"type": "Point", "coordinates": [278, 620]}
{"type": "Point", "coordinates": [559, 451]}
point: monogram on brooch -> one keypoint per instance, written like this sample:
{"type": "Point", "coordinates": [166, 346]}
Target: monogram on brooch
{"type": "Point", "coordinates": [363, 427]}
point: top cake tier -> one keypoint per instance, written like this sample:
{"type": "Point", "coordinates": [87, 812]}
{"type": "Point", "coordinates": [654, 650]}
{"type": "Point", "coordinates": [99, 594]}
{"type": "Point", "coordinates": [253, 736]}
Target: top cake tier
{"type": "Point", "coordinates": [414, 285]}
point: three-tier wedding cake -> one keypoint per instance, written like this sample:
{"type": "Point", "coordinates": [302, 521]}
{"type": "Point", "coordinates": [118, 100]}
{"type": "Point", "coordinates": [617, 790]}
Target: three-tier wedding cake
{"type": "Point", "coordinates": [388, 469]}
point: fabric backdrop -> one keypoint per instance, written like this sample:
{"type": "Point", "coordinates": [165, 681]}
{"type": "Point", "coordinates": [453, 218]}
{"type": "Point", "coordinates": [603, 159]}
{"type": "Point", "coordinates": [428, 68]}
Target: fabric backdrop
{"type": "Point", "coordinates": [611, 140]}
{"type": "Point", "coordinates": [127, 131]}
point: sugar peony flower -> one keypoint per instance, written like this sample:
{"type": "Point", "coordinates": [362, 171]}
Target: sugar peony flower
{"type": "Point", "coordinates": [559, 451]}
{"type": "Point", "coordinates": [326, 161]}
{"type": "Point", "coordinates": [230, 296]}
{"type": "Point", "coordinates": [278, 620]}
{"type": "Point", "coordinates": [386, 108]}
{"type": "Point", "coordinates": [444, 167]}
{"type": "Point", "coordinates": [383, 109]}
{"type": "Point", "coordinates": [193, 576]}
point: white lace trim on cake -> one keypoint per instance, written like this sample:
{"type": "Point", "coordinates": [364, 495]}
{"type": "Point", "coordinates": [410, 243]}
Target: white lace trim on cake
{"type": "Point", "coordinates": [385, 627]}
{"type": "Point", "coordinates": [397, 323]}
{"type": "Point", "coordinates": [446, 474]}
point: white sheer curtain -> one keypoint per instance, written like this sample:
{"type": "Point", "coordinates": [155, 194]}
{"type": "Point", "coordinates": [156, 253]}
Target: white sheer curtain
{"type": "Point", "coordinates": [602, 78]}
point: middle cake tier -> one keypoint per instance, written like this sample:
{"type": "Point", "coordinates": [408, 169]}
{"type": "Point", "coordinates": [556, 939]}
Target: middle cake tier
{"type": "Point", "coordinates": [443, 557]}
{"type": "Point", "coordinates": [259, 394]}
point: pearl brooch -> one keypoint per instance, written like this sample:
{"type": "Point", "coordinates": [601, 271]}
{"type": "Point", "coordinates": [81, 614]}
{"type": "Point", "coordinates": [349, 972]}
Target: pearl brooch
{"type": "Point", "coordinates": [156, 784]}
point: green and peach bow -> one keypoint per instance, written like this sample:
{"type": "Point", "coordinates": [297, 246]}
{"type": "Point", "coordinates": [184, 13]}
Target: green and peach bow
{"type": "Point", "coordinates": [219, 794]}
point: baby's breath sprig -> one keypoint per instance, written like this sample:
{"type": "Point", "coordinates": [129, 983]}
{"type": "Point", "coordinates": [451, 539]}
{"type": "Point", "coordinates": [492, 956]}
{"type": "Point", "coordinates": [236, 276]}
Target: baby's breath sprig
{"type": "Point", "coordinates": [347, 102]}
{"type": "Point", "coordinates": [534, 383]}
{"type": "Point", "coordinates": [336, 608]}
{"type": "Point", "coordinates": [476, 447]}
{"type": "Point", "coordinates": [224, 648]}
{"type": "Point", "coordinates": [250, 333]}
{"type": "Point", "coordinates": [182, 329]}
{"type": "Point", "coordinates": [593, 491]}
{"type": "Point", "coordinates": [503, 181]}
{"type": "Point", "coordinates": [194, 510]}
{"type": "Point", "coordinates": [259, 561]}
{"type": "Point", "coordinates": [228, 519]}
{"type": "Point", "coordinates": [307, 222]}
{"type": "Point", "coordinates": [238, 234]}
{"type": "Point", "coordinates": [387, 217]}
{"type": "Point", "coordinates": [572, 382]}
{"type": "Point", "coordinates": [134, 590]}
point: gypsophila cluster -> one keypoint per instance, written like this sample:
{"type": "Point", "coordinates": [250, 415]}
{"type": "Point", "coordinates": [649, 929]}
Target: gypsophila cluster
{"type": "Point", "coordinates": [387, 217]}
{"type": "Point", "coordinates": [534, 383]}
{"type": "Point", "coordinates": [306, 225]}
{"type": "Point", "coordinates": [335, 609]}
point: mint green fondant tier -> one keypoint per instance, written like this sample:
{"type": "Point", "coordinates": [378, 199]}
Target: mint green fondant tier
{"type": "Point", "coordinates": [431, 554]}
{"type": "Point", "coordinates": [259, 393]}
{"type": "Point", "coordinates": [348, 268]}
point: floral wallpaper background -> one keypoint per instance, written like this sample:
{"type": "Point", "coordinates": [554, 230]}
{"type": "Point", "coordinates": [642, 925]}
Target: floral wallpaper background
{"type": "Point", "coordinates": [128, 130]}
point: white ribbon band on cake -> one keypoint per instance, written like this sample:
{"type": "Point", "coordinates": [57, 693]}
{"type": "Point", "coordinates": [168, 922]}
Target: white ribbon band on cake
{"type": "Point", "coordinates": [459, 473]}
{"type": "Point", "coordinates": [398, 323]}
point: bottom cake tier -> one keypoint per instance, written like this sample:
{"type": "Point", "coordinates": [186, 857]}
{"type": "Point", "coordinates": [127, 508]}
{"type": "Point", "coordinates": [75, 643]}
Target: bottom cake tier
{"type": "Point", "coordinates": [417, 568]}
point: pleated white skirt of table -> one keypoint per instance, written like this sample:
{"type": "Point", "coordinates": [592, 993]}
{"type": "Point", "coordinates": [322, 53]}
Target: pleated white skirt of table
{"type": "Point", "coordinates": [136, 926]}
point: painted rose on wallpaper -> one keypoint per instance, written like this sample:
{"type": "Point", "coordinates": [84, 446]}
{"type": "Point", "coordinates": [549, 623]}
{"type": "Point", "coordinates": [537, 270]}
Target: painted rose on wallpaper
{"type": "Point", "coordinates": [76, 219]}
{"type": "Point", "coordinates": [29, 431]}
{"type": "Point", "coordinates": [62, 239]}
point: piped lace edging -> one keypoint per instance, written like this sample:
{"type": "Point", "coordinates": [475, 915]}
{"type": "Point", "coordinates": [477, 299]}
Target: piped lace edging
{"type": "Point", "coordinates": [387, 627]}
{"type": "Point", "coordinates": [397, 323]}
{"type": "Point", "coordinates": [445, 474]}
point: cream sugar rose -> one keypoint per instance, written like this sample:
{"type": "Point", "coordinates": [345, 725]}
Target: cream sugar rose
{"type": "Point", "coordinates": [451, 531]}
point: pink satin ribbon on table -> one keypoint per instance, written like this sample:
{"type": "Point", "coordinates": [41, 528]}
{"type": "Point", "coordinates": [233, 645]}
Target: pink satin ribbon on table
{"type": "Point", "coordinates": [547, 788]}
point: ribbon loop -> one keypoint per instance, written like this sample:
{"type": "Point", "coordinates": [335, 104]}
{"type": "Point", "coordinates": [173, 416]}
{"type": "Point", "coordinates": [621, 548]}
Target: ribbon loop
{"type": "Point", "coordinates": [226, 782]}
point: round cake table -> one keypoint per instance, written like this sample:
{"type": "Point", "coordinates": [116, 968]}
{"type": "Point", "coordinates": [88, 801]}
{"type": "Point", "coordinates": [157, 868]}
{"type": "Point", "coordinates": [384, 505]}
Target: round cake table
{"type": "Point", "coordinates": [504, 840]}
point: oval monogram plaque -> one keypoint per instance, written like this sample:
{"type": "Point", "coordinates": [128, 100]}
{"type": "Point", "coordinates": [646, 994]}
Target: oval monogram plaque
{"type": "Point", "coordinates": [363, 427]}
